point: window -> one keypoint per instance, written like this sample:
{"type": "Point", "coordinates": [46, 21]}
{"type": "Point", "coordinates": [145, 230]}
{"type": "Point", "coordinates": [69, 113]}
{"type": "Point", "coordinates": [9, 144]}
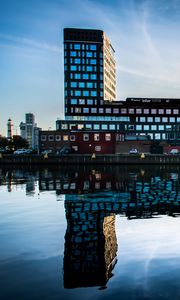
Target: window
{"type": "Point", "coordinates": [80, 126]}
{"type": "Point", "coordinates": [164, 119]}
{"type": "Point", "coordinates": [81, 84]}
{"type": "Point", "coordinates": [160, 111]}
{"type": "Point", "coordinates": [81, 101]}
{"type": "Point", "coordinates": [115, 110]}
{"type": "Point", "coordinates": [93, 61]}
{"type": "Point", "coordinates": [172, 120]}
{"type": "Point", "coordinates": [142, 119]}
{"type": "Point", "coordinates": [157, 136]}
{"type": "Point", "coordinates": [86, 110]}
{"type": "Point", "coordinates": [123, 110]}
{"type": "Point", "coordinates": [65, 138]}
{"type": "Point", "coordinates": [101, 110]}
{"type": "Point", "coordinates": [77, 46]}
{"type": "Point", "coordinates": [85, 137]}
{"type": "Point", "coordinates": [97, 148]}
{"type": "Point", "coordinates": [73, 53]}
{"type": "Point", "coordinates": [89, 54]}
{"type": "Point", "coordinates": [93, 47]}
{"type": "Point", "coordinates": [72, 138]}
{"type": "Point", "coordinates": [108, 110]}
{"type": "Point", "coordinates": [89, 85]}
{"type": "Point", "coordinates": [89, 68]}
{"type": "Point", "coordinates": [168, 127]}
{"type": "Point", "coordinates": [107, 137]}
{"type": "Point", "coordinates": [77, 93]}
{"type": "Point", "coordinates": [104, 127]}
{"type": "Point", "coordinates": [168, 111]}
{"type": "Point", "coordinates": [146, 127]}
{"type": "Point", "coordinates": [93, 76]}
{"type": "Point", "coordinates": [86, 93]}
{"type": "Point", "coordinates": [77, 76]}
{"type": "Point", "coordinates": [96, 137]}
{"type": "Point", "coordinates": [58, 137]}
{"type": "Point", "coordinates": [146, 111]}
{"type": "Point", "coordinates": [88, 126]}
{"type": "Point", "coordinates": [43, 138]}
{"type": "Point", "coordinates": [73, 84]}
{"type": "Point", "coordinates": [93, 94]}
{"type": "Point", "coordinates": [131, 110]}
{"type": "Point", "coordinates": [157, 119]}
{"type": "Point", "coordinates": [138, 127]}
{"type": "Point", "coordinates": [175, 111]}
{"type": "Point", "coordinates": [74, 101]}
{"type": "Point", "coordinates": [77, 61]}
{"type": "Point", "coordinates": [161, 127]}
{"type": "Point", "coordinates": [73, 68]}
{"type": "Point", "coordinates": [85, 76]}
{"type": "Point", "coordinates": [153, 127]}
{"type": "Point", "coordinates": [77, 109]}
{"type": "Point", "coordinates": [139, 111]}
{"type": "Point", "coordinates": [96, 126]}
{"type": "Point", "coordinates": [154, 111]}
{"type": "Point", "coordinates": [64, 126]}
{"type": "Point", "coordinates": [112, 127]}
{"type": "Point", "coordinates": [89, 102]}
{"type": "Point", "coordinates": [94, 110]}
{"type": "Point", "coordinates": [150, 119]}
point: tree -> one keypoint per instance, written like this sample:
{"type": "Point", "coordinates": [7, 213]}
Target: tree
{"type": "Point", "coordinates": [3, 142]}
{"type": "Point", "coordinates": [18, 142]}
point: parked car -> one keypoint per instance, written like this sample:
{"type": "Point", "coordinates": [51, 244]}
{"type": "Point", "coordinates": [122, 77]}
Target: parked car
{"type": "Point", "coordinates": [65, 150]}
{"type": "Point", "coordinates": [133, 151]}
{"type": "Point", "coordinates": [21, 151]}
{"type": "Point", "coordinates": [174, 151]}
{"type": "Point", "coordinates": [47, 152]}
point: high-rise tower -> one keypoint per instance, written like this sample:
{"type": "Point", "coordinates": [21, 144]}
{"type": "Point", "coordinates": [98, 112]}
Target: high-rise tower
{"type": "Point", "coordinates": [9, 129]}
{"type": "Point", "coordinates": [89, 68]}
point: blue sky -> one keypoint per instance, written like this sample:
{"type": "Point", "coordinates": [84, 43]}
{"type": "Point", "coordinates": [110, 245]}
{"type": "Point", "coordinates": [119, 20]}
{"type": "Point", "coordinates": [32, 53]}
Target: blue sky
{"type": "Point", "coordinates": [144, 33]}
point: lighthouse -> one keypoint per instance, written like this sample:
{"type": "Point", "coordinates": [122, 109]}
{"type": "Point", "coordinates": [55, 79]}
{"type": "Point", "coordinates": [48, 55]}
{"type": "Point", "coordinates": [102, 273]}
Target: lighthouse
{"type": "Point", "coordinates": [9, 129]}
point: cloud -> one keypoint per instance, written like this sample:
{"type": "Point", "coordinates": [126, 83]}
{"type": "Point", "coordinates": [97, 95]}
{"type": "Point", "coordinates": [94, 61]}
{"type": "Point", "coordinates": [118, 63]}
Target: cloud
{"type": "Point", "coordinates": [29, 42]}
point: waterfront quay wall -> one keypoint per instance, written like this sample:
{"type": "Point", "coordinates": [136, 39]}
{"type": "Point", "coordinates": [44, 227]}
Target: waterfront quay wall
{"type": "Point", "coordinates": [90, 159]}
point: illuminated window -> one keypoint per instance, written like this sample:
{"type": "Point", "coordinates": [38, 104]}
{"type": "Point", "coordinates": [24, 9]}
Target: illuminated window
{"type": "Point", "coordinates": [168, 111]}
{"type": "Point", "coordinates": [154, 111]}
{"type": "Point", "coordinates": [96, 137]}
{"type": "Point", "coordinates": [107, 136]}
{"type": "Point", "coordinates": [153, 127]}
{"type": "Point", "coordinates": [161, 111]}
{"type": "Point", "coordinates": [146, 111]}
{"type": "Point", "coordinates": [65, 138]}
{"type": "Point", "coordinates": [164, 119]}
{"type": "Point", "coordinates": [115, 110]}
{"type": "Point", "coordinates": [64, 126]}
{"type": "Point", "coordinates": [80, 126]}
{"type": "Point", "coordinates": [139, 111]}
{"type": "Point", "coordinates": [97, 148]}
{"type": "Point", "coordinates": [175, 111]}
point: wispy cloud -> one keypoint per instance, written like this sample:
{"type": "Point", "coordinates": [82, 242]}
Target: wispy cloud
{"type": "Point", "coordinates": [29, 42]}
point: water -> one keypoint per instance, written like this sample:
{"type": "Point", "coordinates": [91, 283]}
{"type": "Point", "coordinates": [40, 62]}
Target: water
{"type": "Point", "coordinates": [90, 233]}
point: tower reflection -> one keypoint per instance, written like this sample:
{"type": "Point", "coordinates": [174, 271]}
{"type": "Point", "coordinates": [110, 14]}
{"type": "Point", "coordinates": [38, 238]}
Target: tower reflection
{"type": "Point", "coordinates": [90, 244]}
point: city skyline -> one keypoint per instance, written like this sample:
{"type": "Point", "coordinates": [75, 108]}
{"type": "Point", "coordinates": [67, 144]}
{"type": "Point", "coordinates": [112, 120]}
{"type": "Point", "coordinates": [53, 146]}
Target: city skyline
{"type": "Point", "coordinates": [144, 34]}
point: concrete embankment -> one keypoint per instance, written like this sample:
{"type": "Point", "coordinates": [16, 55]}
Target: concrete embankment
{"type": "Point", "coordinates": [90, 159]}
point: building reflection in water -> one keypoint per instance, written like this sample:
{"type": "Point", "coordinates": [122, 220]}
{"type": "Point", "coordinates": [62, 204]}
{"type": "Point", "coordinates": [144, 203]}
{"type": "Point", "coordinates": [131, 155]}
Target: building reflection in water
{"type": "Point", "coordinates": [92, 200]}
{"type": "Point", "coordinates": [90, 244]}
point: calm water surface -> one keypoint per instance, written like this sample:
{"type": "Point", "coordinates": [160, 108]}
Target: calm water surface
{"type": "Point", "coordinates": [90, 233]}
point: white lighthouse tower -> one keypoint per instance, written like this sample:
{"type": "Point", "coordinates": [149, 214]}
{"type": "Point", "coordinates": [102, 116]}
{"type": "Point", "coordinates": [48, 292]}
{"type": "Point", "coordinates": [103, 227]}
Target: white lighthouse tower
{"type": "Point", "coordinates": [9, 129]}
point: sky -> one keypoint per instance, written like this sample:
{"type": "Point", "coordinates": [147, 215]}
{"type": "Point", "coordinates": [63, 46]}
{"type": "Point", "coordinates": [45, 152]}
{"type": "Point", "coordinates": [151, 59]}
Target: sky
{"type": "Point", "coordinates": [144, 34]}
